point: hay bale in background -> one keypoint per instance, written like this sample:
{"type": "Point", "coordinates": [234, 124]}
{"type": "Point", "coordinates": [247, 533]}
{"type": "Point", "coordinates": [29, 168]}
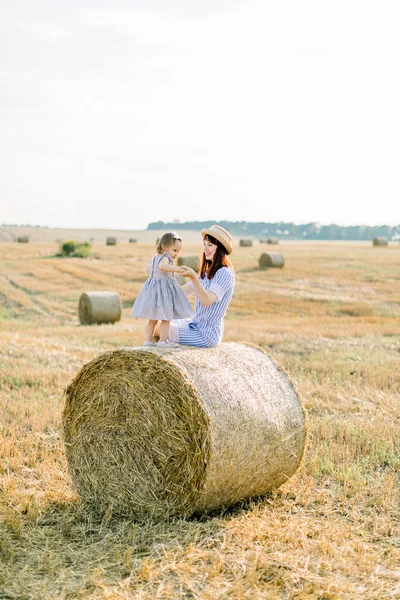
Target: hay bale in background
{"type": "Point", "coordinates": [111, 241]}
{"type": "Point", "coordinates": [190, 261]}
{"type": "Point", "coordinates": [99, 307]}
{"type": "Point", "coordinates": [166, 432]}
{"type": "Point", "coordinates": [246, 243]}
{"type": "Point", "coordinates": [23, 239]}
{"type": "Point", "coordinates": [271, 260]}
{"type": "Point", "coordinates": [132, 240]}
{"type": "Point", "coordinates": [272, 241]}
{"type": "Point", "coordinates": [380, 241]}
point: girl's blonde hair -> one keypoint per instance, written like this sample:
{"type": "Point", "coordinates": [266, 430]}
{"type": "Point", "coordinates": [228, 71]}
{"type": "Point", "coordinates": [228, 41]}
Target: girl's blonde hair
{"type": "Point", "coordinates": [166, 241]}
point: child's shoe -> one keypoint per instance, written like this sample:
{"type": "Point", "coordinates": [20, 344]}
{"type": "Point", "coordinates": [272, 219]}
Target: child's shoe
{"type": "Point", "coordinates": [149, 343]}
{"type": "Point", "coordinates": [167, 344]}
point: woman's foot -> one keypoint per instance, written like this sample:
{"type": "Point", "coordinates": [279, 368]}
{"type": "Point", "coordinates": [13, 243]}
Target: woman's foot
{"type": "Point", "coordinates": [167, 344]}
{"type": "Point", "coordinates": [149, 343]}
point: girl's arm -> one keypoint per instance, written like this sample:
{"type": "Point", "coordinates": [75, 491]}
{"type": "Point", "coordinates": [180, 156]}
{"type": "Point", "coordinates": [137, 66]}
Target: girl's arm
{"type": "Point", "coordinates": [166, 266]}
{"type": "Point", "coordinates": [205, 298]}
{"type": "Point", "coordinates": [171, 269]}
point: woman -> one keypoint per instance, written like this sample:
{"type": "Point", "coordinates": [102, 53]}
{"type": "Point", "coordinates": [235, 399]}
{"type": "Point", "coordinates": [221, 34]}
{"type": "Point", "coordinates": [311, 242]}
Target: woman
{"type": "Point", "coordinates": [213, 288]}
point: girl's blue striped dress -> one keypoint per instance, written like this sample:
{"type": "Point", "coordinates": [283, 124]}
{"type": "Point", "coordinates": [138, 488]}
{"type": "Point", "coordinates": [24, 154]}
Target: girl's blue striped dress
{"type": "Point", "coordinates": [161, 297]}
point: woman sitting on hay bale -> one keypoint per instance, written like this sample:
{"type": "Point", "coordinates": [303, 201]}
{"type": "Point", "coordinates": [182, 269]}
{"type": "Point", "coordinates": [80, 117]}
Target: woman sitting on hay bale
{"type": "Point", "coordinates": [213, 288]}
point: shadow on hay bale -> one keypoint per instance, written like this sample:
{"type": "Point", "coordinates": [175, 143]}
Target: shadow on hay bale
{"type": "Point", "coordinates": [271, 260]}
{"type": "Point", "coordinates": [176, 432]}
{"type": "Point", "coordinates": [99, 307]}
{"type": "Point", "coordinates": [380, 241]}
{"type": "Point", "coordinates": [111, 241]}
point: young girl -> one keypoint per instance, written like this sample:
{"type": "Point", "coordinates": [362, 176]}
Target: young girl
{"type": "Point", "coordinates": [161, 297]}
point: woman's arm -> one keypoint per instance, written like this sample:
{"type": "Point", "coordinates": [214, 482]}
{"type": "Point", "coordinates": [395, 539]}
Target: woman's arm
{"type": "Point", "coordinates": [188, 289]}
{"type": "Point", "coordinates": [205, 298]}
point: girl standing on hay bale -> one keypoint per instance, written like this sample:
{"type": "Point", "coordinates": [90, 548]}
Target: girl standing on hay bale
{"type": "Point", "coordinates": [161, 298]}
{"type": "Point", "coordinates": [213, 288]}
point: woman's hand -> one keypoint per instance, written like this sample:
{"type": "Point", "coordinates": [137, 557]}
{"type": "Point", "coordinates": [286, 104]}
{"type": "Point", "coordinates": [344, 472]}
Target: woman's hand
{"type": "Point", "coordinates": [188, 272]}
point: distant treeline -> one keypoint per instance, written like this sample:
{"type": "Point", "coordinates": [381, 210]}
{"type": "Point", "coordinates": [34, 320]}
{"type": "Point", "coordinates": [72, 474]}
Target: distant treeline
{"type": "Point", "coordinates": [309, 231]}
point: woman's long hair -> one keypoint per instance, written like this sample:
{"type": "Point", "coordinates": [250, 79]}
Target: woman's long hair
{"type": "Point", "coordinates": [208, 268]}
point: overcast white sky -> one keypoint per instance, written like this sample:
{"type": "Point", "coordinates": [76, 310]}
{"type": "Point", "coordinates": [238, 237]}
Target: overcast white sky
{"type": "Point", "coordinates": [118, 113]}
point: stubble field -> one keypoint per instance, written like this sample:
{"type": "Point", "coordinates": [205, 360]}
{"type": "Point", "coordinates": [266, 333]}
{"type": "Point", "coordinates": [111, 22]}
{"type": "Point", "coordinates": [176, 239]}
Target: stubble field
{"type": "Point", "coordinates": [331, 318]}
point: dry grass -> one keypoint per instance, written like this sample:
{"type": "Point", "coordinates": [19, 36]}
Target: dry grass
{"type": "Point", "coordinates": [331, 317]}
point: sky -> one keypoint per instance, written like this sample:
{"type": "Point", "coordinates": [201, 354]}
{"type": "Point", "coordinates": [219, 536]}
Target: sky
{"type": "Point", "coordinates": [117, 114]}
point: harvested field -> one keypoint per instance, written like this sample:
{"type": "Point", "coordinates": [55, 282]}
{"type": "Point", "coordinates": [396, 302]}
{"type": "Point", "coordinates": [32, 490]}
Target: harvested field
{"type": "Point", "coordinates": [331, 318]}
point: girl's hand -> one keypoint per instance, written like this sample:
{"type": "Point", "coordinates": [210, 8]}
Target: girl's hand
{"type": "Point", "coordinates": [188, 272]}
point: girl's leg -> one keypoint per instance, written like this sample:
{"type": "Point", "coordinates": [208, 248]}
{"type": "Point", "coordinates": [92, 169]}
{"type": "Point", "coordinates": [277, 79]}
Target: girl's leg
{"type": "Point", "coordinates": [164, 331]}
{"type": "Point", "coordinates": [149, 330]}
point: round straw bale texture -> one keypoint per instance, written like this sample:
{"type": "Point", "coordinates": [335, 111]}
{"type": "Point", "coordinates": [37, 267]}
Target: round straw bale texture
{"type": "Point", "coordinates": [23, 239]}
{"type": "Point", "coordinates": [271, 259]}
{"type": "Point", "coordinates": [380, 241]}
{"type": "Point", "coordinates": [190, 261]}
{"type": "Point", "coordinates": [111, 241]}
{"type": "Point", "coordinates": [99, 307]}
{"type": "Point", "coordinates": [164, 432]}
{"type": "Point", "coordinates": [246, 243]}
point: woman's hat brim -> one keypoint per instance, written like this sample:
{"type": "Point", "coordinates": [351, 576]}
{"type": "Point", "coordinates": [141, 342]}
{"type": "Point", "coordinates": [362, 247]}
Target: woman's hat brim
{"type": "Point", "coordinates": [222, 240]}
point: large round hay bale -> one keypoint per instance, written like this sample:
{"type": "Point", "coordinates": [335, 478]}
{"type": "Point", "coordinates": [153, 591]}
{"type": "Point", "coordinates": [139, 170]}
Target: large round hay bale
{"type": "Point", "coordinates": [245, 243]}
{"type": "Point", "coordinates": [111, 241]}
{"type": "Point", "coordinates": [180, 431]}
{"type": "Point", "coordinates": [133, 240]}
{"type": "Point", "coordinates": [272, 240]}
{"type": "Point", "coordinates": [23, 239]}
{"type": "Point", "coordinates": [190, 261]}
{"type": "Point", "coordinates": [380, 241]}
{"type": "Point", "coordinates": [271, 259]}
{"type": "Point", "coordinates": [99, 307]}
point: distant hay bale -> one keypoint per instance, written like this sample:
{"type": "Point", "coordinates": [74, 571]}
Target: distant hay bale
{"type": "Point", "coordinates": [245, 243]}
{"type": "Point", "coordinates": [272, 241]}
{"type": "Point", "coordinates": [111, 241]}
{"type": "Point", "coordinates": [176, 432]}
{"type": "Point", "coordinates": [380, 241]}
{"type": "Point", "coordinates": [23, 239]}
{"type": "Point", "coordinates": [99, 307]}
{"type": "Point", "coordinates": [271, 260]}
{"type": "Point", "coordinates": [190, 261]}
{"type": "Point", "coordinates": [132, 240]}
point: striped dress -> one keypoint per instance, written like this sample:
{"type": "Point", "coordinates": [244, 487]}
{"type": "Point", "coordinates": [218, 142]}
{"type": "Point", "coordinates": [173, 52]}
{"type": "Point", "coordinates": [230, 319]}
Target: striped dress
{"type": "Point", "coordinates": [161, 297]}
{"type": "Point", "coordinates": [206, 327]}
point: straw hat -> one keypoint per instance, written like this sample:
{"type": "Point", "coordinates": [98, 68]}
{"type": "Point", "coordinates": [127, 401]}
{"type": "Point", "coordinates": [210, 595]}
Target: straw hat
{"type": "Point", "coordinates": [220, 234]}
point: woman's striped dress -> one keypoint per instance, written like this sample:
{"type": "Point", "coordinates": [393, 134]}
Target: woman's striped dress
{"type": "Point", "coordinates": [206, 327]}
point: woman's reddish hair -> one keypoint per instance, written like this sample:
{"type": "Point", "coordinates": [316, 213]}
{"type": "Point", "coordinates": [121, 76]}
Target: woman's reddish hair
{"type": "Point", "coordinates": [208, 268]}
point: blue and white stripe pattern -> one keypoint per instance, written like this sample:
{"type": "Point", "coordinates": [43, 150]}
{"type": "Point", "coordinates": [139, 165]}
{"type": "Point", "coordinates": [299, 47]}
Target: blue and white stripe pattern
{"type": "Point", "coordinates": [161, 297]}
{"type": "Point", "coordinates": [206, 328]}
